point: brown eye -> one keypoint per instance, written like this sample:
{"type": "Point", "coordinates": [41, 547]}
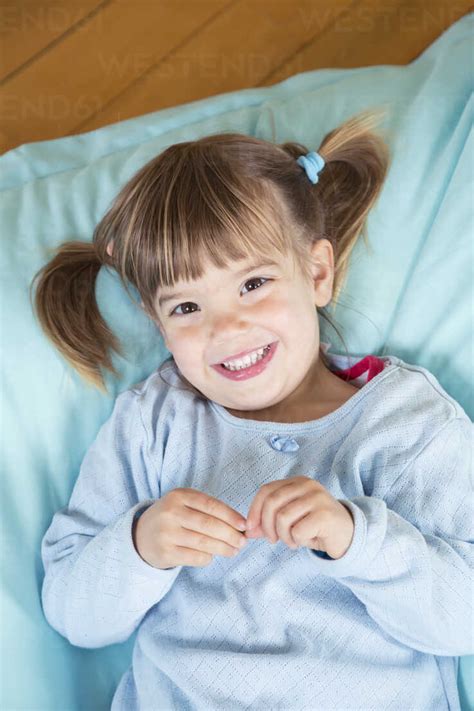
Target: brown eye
{"type": "Point", "coordinates": [186, 303]}
{"type": "Point", "coordinates": [256, 279]}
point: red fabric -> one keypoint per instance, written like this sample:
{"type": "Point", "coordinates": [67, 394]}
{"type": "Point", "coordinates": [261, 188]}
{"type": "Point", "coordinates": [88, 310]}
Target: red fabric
{"type": "Point", "coordinates": [370, 363]}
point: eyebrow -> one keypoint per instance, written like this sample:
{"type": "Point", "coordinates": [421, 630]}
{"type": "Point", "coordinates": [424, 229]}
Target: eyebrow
{"type": "Point", "coordinates": [178, 295]}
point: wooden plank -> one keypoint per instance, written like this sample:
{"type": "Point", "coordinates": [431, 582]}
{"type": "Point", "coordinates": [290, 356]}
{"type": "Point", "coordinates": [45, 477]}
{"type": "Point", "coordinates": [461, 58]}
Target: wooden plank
{"type": "Point", "coordinates": [90, 67]}
{"type": "Point", "coordinates": [371, 32]}
{"type": "Point", "coordinates": [233, 52]}
{"type": "Point", "coordinates": [29, 26]}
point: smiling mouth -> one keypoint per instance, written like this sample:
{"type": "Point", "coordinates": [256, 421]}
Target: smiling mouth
{"type": "Point", "coordinates": [242, 373]}
{"type": "Point", "coordinates": [259, 357]}
{"type": "Point", "coordinates": [245, 354]}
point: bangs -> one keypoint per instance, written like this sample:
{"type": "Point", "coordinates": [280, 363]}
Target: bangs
{"type": "Point", "coordinates": [220, 227]}
{"type": "Point", "coordinates": [206, 216]}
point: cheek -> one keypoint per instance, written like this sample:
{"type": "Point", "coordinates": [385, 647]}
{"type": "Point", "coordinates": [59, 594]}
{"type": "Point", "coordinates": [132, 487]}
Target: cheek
{"type": "Point", "coordinates": [185, 345]}
{"type": "Point", "coordinates": [281, 315]}
{"type": "Point", "coordinates": [274, 307]}
{"type": "Point", "coordinates": [294, 325]}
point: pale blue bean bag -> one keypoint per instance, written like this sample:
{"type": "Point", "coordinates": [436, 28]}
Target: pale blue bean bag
{"type": "Point", "coordinates": [410, 295]}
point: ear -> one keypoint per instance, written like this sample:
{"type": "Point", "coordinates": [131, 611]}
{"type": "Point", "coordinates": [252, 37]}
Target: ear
{"type": "Point", "coordinates": [322, 257]}
{"type": "Point", "coordinates": [110, 248]}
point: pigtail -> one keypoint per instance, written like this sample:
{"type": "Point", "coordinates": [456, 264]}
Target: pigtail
{"type": "Point", "coordinates": [336, 208]}
{"type": "Point", "coordinates": [67, 310]}
{"type": "Point", "coordinates": [357, 159]}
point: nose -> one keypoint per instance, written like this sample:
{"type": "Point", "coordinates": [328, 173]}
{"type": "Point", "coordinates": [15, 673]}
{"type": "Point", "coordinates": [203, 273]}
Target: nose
{"type": "Point", "coordinates": [226, 323]}
{"type": "Point", "coordinates": [227, 327]}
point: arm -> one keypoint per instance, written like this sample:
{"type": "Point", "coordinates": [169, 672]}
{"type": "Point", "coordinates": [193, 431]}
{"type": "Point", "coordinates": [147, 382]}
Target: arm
{"type": "Point", "coordinates": [97, 588]}
{"type": "Point", "coordinates": [411, 559]}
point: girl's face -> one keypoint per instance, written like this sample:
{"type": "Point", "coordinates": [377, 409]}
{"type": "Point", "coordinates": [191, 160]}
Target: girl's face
{"type": "Point", "coordinates": [242, 308]}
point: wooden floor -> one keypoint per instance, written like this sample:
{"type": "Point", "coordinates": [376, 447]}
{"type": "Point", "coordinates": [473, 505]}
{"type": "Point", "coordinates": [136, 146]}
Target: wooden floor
{"type": "Point", "coordinates": [69, 66]}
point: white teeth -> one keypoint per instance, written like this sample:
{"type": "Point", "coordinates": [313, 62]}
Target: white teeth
{"type": "Point", "coordinates": [247, 360]}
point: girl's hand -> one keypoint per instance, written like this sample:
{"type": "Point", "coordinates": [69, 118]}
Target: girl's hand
{"type": "Point", "coordinates": [301, 512]}
{"type": "Point", "coordinates": [187, 527]}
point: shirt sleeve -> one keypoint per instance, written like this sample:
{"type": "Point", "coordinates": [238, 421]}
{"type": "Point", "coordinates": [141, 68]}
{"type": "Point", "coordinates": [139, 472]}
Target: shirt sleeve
{"type": "Point", "coordinates": [97, 588]}
{"type": "Point", "coordinates": [411, 559]}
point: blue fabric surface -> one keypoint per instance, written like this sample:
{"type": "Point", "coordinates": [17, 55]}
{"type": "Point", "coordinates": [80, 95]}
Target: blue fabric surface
{"type": "Point", "coordinates": [409, 295]}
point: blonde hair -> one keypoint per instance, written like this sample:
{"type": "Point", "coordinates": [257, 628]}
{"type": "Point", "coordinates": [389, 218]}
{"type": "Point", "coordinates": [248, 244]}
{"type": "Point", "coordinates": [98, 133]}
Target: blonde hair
{"type": "Point", "coordinates": [223, 197]}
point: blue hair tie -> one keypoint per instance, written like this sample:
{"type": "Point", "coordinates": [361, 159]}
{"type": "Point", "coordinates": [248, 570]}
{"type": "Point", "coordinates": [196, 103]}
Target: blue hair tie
{"type": "Point", "coordinates": [313, 163]}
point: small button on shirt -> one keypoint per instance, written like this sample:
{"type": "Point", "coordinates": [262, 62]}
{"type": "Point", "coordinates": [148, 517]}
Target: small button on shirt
{"type": "Point", "coordinates": [284, 444]}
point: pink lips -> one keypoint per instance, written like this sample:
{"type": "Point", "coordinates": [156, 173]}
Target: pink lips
{"type": "Point", "coordinates": [241, 354]}
{"type": "Point", "coordinates": [252, 370]}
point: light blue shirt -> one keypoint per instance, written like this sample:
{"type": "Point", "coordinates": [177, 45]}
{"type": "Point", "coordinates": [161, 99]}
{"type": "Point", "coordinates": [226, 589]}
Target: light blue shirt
{"type": "Point", "coordinates": [274, 627]}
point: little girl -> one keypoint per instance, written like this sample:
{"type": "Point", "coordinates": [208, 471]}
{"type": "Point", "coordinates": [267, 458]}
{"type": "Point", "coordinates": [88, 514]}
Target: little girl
{"type": "Point", "coordinates": [284, 532]}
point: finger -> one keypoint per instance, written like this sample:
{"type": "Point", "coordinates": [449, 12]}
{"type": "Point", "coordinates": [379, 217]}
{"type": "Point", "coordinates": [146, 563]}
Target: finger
{"type": "Point", "coordinates": [214, 507]}
{"type": "Point", "coordinates": [287, 518]}
{"type": "Point", "coordinates": [276, 500]}
{"type": "Point", "coordinates": [205, 544]}
{"type": "Point", "coordinates": [254, 516]}
{"type": "Point", "coordinates": [255, 511]}
{"type": "Point", "coordinates": [313, 528]}
{"type": "Point", "coordinates": [309, 518]}
{"type": "Point", "coordinates": [190, 556]}
{"type": "Point", "coordinates": [295, 488]}
{"type": "Point", "coordinates": [209, 527]}
{"type": "Point", "coordinates": [255, 532]}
